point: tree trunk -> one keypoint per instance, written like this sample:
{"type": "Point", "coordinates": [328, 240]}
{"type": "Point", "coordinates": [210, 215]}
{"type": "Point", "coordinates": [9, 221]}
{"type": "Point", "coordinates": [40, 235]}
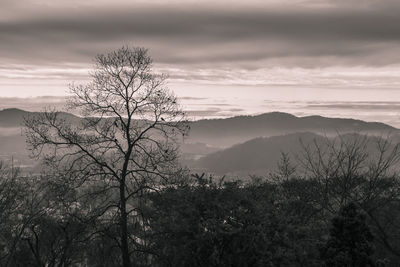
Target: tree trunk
{"type": "Point", "coordinates": [124, 226]}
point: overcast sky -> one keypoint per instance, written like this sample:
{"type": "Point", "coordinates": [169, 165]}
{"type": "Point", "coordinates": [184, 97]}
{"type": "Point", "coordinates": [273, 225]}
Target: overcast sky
{"type": "Point", "coordinates": [238, 52]}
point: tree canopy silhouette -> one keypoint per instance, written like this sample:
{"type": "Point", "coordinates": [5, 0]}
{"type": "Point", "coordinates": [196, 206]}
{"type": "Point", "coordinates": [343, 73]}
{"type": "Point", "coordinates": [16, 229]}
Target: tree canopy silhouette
{"type": "Point", "coordinates": [350, 241]}
{"type": "Point", "coordinates": [125, 142]}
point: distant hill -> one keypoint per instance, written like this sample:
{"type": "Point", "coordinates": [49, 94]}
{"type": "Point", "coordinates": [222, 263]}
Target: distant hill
{"type": "Point", "coordinates": [227, 132]}
{"type": "Point", "coordinates": [208, 136]}
{"type": "Point", "coordinates": [261, 155]}
{"type": "Point", "coordinates": [257, 155]}
{"type": "Point", "coordinates": [12, 139]}
{"type": "Point", "coordinates": [13, 117]}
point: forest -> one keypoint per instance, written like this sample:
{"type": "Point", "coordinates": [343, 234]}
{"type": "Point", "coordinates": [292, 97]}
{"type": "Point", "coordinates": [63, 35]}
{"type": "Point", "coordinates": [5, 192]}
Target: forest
{"type": "Point", "coordinates": [112, 191]}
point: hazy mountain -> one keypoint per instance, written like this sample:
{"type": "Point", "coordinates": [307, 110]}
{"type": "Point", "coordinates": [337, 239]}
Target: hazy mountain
{"type": "Point", "coordinates": [208, 136]}
{"type": "Point", "coordinates": [196, 150]}
{"type": "Point", "coordinates": [12, 139]}
{"type": "Point", "coordinates": [257, 155]}
{"type": "Point", "coordinates": [13, 117]}
{"type": "Point", "coordinates": [227, 132]}
{"type": "Point", "coordinates": [261, 155]}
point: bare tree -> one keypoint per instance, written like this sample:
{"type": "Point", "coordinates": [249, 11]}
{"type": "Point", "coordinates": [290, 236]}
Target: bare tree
{"type": "Point", "coordinates": [350, 168]}
{"type": "Point", "coordinates": [9, 207]}
{"type": "Point", "coordinates": [125, 142]}
{"type": "Point", "coordinates": [358, 169]}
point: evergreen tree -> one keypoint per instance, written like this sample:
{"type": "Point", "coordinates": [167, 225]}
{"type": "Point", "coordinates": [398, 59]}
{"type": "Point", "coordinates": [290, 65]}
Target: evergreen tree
{"type": "Point", "coordinates": [350, 241]}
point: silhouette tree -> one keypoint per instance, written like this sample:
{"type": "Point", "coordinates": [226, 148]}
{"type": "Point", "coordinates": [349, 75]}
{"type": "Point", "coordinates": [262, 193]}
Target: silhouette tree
{"type": "Point", "coordinates": [350, 241]}
{"type": "Point", "coordinates": [216, 223]}
{"type": "Point", "coordinates": [124, 144]}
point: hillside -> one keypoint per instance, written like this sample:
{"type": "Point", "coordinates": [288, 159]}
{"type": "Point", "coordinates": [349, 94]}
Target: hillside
{"type": "Point", "coordinates": [227, 132]}
{"type": "Point", "coordinates": [208, 136]}
{"type": "Point", "coordinates": [261, 155]}
{"type": "Point", "coordinates": [257, 155]}
{"type": "Point", "coordinates": [12, 139]}
{"type": "Point", "coordinates": [13, 117]}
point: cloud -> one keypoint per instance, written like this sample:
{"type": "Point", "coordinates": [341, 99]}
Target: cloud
{"type": "Point", "coordinates": [257, 35]}
{"type": "Point", "coordinates": [33, 103]}
{"type": "Point", "coordinates": [366, 106]}
{"type": "Point", "coordinates": [192, 98]}
{"type": "Point", "coordinates": [330, 44]}
{"type": "Point", "coordinates": [213, 113]}
{"type": "Point", "coordinates": [196, 110]}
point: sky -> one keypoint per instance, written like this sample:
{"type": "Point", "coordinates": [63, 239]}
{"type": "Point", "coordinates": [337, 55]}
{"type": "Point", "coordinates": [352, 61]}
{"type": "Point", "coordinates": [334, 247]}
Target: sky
{"type": "Point", "coordinates": [337, 58]}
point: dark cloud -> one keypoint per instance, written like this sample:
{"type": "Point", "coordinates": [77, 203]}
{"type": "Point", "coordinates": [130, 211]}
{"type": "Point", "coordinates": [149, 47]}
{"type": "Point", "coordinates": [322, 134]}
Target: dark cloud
{"type": "Point", "coordinates": [340, 34]}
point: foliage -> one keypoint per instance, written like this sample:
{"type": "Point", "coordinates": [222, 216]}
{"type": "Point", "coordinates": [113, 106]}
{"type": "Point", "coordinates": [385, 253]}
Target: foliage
{"type": "Point", "coordinates": [228, 224]}
{"type": "Point", "coordinates": [350, 241]}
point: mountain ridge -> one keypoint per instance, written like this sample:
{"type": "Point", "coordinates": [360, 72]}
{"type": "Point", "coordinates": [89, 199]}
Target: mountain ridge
{"type": "Point", "coordinates": [13, 117]}
{"type": "Point", "coordinates": [262, 154]}
{"type": "Point", "coordinates": [209, 136]}
{"type": "Point", "coordinates": [13, 112]}
{"type": "Point", "coordinates": [227, 132]}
